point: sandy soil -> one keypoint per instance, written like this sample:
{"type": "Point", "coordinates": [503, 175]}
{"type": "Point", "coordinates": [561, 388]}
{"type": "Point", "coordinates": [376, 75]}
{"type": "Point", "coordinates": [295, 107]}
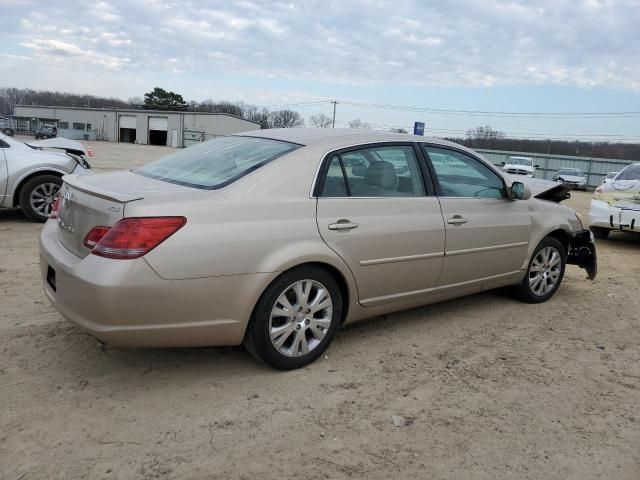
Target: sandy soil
{"type": "Point", "coordinates": [482, 387]}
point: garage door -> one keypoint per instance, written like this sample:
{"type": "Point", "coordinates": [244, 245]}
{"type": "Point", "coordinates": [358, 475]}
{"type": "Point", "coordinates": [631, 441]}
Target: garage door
{"type": "Point", "coordinates": [158, 123]}
{"type": "Point", "coordinates": [127, 121]}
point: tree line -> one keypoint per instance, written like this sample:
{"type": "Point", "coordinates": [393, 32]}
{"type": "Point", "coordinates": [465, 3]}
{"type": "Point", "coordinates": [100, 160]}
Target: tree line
{"type": "Point", "coordinates": [160, 99]}
{"type": "Point", "coordinates": [488, 138]}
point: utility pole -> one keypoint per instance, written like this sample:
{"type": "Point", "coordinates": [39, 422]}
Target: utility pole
{"type": "Point", "coordinates": [333, 124]}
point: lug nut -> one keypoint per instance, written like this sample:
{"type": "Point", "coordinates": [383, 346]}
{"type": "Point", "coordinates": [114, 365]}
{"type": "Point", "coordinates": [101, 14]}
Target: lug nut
{"type": "Point", "coordinates": [307, 321]}
{"type": "Point", "coordinates": [298, 327]}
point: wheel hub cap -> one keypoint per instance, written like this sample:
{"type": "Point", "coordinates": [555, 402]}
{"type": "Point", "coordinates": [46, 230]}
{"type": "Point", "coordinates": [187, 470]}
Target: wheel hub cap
{"type": "Point", "coordinates": [544, 272]}
{"type": "Point", "coordinates": [300, 318]}
{"type": "Point", "coordinates": [42, 197]}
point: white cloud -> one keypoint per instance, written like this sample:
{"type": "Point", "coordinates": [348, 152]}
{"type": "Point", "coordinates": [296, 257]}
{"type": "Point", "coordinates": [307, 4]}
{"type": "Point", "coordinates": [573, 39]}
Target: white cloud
{"type": "Point", "coordinates": [586, 43]}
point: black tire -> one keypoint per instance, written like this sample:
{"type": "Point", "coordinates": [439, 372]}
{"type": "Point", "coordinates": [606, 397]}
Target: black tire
{"type": "Point", "coordinates": [257, 338]}
{"type": "Point", "coordinates": [601, 232]}
{"type": "Point", "coordinates": [27, 190]}
{"type": "Point", "coordinates": [525, 291]}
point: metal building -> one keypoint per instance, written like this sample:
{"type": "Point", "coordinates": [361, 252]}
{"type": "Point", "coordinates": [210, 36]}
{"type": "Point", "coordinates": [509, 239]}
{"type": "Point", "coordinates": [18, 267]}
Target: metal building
{"type": "Point", "coordinates": [147, 127]}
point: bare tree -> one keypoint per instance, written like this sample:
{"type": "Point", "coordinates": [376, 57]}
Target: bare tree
{"type": "Point", "coordinates": [321, 120]}
{"type": "Point", "coordinates": [135, 102]}
{"type": "Point", "coordinates": [285, 119]}
{"type": "Point", "coordinates": [484, 137]}
{"type": "Point", "coordinates": [357, 123]}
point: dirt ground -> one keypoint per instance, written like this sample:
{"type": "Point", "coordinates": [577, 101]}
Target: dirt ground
{"type": "Point", "coordinates": [481, 387]}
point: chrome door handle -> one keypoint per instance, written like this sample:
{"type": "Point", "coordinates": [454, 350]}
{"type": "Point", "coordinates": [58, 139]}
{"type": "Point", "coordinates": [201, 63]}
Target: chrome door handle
{"type": "Point", "coordinates": [343, 225]}
{"type": "Point", "coordinates": [457, 220]}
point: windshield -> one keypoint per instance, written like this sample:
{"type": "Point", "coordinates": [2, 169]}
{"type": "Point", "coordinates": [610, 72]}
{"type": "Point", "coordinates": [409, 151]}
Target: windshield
{"type": "Point", "coordinates": [520, 161]}
{"type": "Point", "coordinates": [570, 171]}
{"type": "Point", "coordinates": [216, 163]}
{"type": "Point", "coordinates": [632, 172]}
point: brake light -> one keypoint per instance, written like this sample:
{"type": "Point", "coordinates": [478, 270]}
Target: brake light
{"type": "Point", "coordinates": [137, 236]}
{"type": "Point", "coordinates": [54, 208]}
{"type": "Point", "coordinates": [94, 236]}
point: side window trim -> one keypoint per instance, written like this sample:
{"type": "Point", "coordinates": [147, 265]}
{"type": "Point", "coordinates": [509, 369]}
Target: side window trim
{"type": "Point", "coordinates": [434, 176]}
{"type": "Point", "coordinates": [426, 173]}
{"type": "Point", "coordinates": [344, 175]}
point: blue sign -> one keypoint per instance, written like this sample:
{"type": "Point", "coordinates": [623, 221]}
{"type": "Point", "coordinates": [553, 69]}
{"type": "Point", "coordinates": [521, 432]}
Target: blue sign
{"type": "Point", "coordinates": [418, 128]}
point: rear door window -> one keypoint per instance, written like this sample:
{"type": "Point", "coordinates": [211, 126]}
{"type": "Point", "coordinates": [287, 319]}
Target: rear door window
{"type": "Point", "coordinates": [382, 171]}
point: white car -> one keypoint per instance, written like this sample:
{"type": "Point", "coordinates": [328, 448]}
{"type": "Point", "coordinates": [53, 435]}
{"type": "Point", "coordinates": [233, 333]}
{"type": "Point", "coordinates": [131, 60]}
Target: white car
{"type": "Point", "coordinates": [30, 176]}
{"type": "Point", "coordinates": [572, 177]}
{"type": "Point", "coordinates": [520, 166]}
{"type": "Point", "coordinates": [616, 205]}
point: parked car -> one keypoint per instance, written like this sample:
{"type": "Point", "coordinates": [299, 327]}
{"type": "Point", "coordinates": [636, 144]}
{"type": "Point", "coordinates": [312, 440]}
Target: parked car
{"type": "Point", "coordinates": [519, 166]}
{"type": "Point", "coordinates": [6, 126]}
{"type": "Point", "coordinates": [609, 178]}
{"type": "Point", "coordinates": [573, 177]}
{"type": "Point", "coordinates": [275, 238]}
{"type": "Point", "coordinates": [30, 176]}
{"type": "Point", "coordinates": [47, 131]}
{"type": "Point", "coordinates": [616, 205]}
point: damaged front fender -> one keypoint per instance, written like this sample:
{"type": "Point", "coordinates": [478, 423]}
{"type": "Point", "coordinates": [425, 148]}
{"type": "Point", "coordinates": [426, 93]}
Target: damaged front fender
{"type": "Point", "coordinates": [582, 252]}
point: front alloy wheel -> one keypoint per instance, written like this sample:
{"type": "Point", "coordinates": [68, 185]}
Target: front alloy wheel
{"type": "Point", "coordinates": [37, 196]}
{"type": "Point", "coordinates": [295, 319]}
{"type": "Point", "coordinates": [545, 272]}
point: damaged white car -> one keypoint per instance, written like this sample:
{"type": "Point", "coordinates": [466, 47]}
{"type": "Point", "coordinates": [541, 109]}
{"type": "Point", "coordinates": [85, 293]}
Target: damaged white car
{"type": "Point", "coordinates": [616, 204]}
{"type": "Point", "coordinates": [31, 173]}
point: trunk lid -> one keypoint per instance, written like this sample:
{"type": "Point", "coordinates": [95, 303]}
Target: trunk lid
{"type": "Point", "coordinates": [91, 200]}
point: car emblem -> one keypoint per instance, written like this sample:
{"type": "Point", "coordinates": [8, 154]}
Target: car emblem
{"type": "Point", "coordinates": [65, 199]}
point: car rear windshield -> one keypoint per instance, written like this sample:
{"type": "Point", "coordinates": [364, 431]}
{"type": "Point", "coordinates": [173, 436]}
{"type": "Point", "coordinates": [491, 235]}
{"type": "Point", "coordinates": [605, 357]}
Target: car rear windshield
{"type": "Point", "coordinates": [632, 172]}
{"type": "Point", "coordinates": [216, 163]}
{"type": "Point", "coordinates": [570, 171]}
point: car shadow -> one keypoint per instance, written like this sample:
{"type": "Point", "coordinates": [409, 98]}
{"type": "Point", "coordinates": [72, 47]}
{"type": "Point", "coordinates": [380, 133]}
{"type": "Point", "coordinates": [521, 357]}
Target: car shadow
{"type": "Point", "coordinates": [13, 215]}
{"type": "Point", "coordinates": [154, 367]}
{"type": "Point", "coordinates": [621, 238]}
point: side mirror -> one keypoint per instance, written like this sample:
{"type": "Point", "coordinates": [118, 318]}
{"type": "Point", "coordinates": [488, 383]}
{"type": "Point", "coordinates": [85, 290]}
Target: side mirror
{"type": "Point", "coordinates": [502, 163]}
{"type": "Point", "coordinates": [537, 166]}
{"type": "Point", "coordinates": [519, 191]}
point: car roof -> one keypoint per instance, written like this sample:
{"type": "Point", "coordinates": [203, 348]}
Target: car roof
{"type": "Point", "coordinates": [340, 137]}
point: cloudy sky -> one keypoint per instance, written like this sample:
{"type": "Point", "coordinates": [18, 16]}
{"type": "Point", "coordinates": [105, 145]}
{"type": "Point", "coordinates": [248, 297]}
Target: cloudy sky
{"type": "Point", "coordinates": [545, 56]}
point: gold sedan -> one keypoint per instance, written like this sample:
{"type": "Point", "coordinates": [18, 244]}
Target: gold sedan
{"type": "Point", "coordinates": [275, 238]}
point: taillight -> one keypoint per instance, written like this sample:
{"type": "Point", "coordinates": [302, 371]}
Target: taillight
{"type": "Point", "coordinates": [94, 236]}
{"type": "Point", "coordinates": [54, 208]}
{"type": "Point", "coordinates": [135, 237]}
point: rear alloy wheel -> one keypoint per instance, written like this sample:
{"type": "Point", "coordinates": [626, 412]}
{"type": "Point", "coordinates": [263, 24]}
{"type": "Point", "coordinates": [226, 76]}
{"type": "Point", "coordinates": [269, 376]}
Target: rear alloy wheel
{"type": "Point", "coordinates": [295, 319]}
{"type": "Point", "coordinates": [600, 232]}
{"type": "Point", "coordinates": [545, 272]}
{"type": "Point", "coordinates": [37, 196]}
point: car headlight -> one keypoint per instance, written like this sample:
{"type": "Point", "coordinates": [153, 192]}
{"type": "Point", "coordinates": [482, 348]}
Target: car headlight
{"type": "Point", "coordinates": [576, 223]}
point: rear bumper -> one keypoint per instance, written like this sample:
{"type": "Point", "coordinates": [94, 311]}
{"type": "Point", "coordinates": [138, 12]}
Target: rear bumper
{"type": "Point", "coordinates": [125, 303]}
{"type": "Point", "coordinates": [582, 252]}
{"type": "Point", "coordinates": [603, 215]}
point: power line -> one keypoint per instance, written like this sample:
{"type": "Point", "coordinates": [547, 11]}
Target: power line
{"type": "Point", "coordinates": [490, 113]}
